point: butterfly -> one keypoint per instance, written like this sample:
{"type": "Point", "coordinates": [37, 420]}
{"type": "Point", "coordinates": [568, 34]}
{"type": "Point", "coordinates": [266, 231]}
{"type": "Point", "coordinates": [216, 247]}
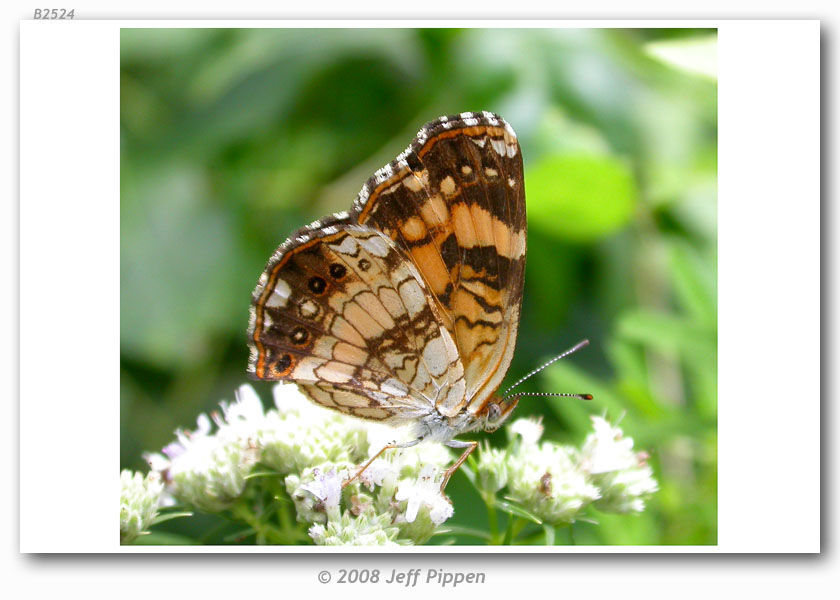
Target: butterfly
{"type": "Point", "coordinates": [405, 309]}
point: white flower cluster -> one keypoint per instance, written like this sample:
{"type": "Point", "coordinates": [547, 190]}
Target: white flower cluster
{"type": "Point", "coordinates": [556, 482]}
{"type": "Point", "coordinates": [364, 530]}
{"type": "Point", "coordinates": [399, 492]}
{"type": "Point", "coordinates": [397, 499]}
{"type": "Point", "coordinates": [207, 469]}
{"type": "Point", "coordinates": [139, 498]}
{"type": "Point", "coordinates": [622, 475]}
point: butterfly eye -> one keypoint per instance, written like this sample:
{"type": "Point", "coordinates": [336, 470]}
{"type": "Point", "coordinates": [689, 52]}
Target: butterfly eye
{"type": "Point", "coordinates": [317, 285]}
{"type": "Point", "coordinates": [493, 412]}
{"type": "Point", "coordinates": [337, 271]}
{"type": "Point", "coordinates": [300, 335]}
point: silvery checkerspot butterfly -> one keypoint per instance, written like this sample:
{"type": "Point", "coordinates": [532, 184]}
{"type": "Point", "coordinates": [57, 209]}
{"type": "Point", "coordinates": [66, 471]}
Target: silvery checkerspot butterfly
{"type": "Point", "coordinates": [405, 309]}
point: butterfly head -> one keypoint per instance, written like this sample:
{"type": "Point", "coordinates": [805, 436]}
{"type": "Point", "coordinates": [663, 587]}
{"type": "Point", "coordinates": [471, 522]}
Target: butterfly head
{"type": "Point", "coordinates": [497, 411]}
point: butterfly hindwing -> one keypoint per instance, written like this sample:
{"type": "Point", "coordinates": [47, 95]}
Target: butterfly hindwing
{"type": "Point", "coordinates": [341, 312]}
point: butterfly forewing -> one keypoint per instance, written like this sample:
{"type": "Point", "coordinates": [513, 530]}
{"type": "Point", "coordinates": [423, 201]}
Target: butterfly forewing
{"type": "Point", "coordinates": [410, 303]}
{"type": "Point", "coordinates": [454, 203]}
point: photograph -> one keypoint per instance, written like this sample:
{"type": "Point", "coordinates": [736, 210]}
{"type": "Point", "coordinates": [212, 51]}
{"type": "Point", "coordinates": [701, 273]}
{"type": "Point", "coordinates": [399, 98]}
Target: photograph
{"type": "Point", "coordinates": [418, 286]}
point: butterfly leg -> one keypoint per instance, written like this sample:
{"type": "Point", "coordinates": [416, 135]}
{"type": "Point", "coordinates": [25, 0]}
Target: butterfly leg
{"type": "Point", "coordinates": [470, 446]}
{"type": "Point", "coordinates": [377, 455]}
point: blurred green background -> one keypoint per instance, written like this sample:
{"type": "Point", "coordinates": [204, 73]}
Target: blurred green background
{"type": "Point", "coordinates": [233, 138]}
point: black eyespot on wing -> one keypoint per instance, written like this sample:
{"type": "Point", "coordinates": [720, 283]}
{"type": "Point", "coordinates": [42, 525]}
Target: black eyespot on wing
{"type": "Point", "coordinates": [337, 271]}
{"type": "Point", "coordinates": [364, 264]}
{"type": "Point", "coordinates": [317, 285]}
{"type": "Point", "coordinates": [283, 365]}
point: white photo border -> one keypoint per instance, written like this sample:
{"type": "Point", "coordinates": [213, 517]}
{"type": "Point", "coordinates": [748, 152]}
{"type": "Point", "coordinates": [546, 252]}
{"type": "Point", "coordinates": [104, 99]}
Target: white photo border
{"type": "Point", "coordinates": [769, 284]}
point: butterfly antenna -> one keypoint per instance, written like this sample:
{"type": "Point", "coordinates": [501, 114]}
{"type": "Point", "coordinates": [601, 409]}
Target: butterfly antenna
{"type": "Point", "coordinates": [579, 396]}
{"type": "Point", "coordinates": [571, 350]}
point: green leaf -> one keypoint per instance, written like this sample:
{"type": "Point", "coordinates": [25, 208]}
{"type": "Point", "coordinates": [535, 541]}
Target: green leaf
{"type": "Point", "coordinates": [668, 333]}
{"type": "Point", "coordinates": [458, 530]}
{"type": "Point", "coordinates": [257, 474]}
{"type": "Point", "coordinates": [173, 515]}
{"type": "Point", "coordinates": [177, 265]}
{"type": "Point", "coordinates": [695, 282]}
{"type": "Point", "coordinates": [518, 511]}
{"type": "Point", "coordinates": [696, 55]}
{"type": "Point", "coordinates": [580, 197]}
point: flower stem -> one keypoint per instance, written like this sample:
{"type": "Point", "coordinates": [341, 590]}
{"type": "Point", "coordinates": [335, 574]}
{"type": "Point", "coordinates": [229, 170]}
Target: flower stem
{"type": "Point", "coordinates": [514, 528]}
{"type": "Point", "coordinates": [492, 518]}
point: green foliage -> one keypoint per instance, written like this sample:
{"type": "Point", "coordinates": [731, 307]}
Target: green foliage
{"type": "Point", "coordinates": [580, 197]}
{"type": "Point", "coordinates": [231, 139]}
